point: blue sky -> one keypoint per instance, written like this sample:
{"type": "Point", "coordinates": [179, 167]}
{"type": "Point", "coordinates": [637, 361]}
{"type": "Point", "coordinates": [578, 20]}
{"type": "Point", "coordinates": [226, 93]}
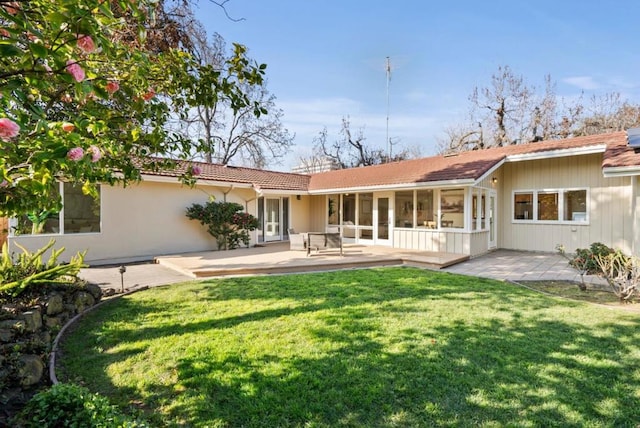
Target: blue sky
{"type": "Point", "coordinates": [326, 59]}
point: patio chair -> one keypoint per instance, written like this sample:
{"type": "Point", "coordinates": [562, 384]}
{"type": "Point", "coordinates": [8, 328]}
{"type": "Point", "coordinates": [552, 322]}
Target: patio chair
{"type": "Point", "coordinates": [297, 241]}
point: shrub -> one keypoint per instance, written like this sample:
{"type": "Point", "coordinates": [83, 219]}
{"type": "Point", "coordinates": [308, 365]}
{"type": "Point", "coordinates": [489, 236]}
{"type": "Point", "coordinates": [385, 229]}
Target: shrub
{"type": "Point", "coordinates": [28, 269]}
{"type": "Point", "coordinates": [225, 221]}
{"type": "Point", "coordinates": [585, 258]}
{"type": "Point", "coordinates": [68, 405]}
{"type": "Point", "coordinates": [621, 272]}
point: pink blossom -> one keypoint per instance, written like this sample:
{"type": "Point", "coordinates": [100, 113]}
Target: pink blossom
{"type": "Point", "coordinates": [85, 43]}
{"type": "Point", "coordinates": [8, 129]}
{"type": "Point", "coordinates": [75, 70]}
{"type": "Point", "coordinates": [196, 170]}
{"type": "Point", "coordinates": [4, 183]}
{"type": "Point", "coordinates": [12, 8]}
{"type": "Point", "coordinates": [75, 154]}
{"type": "Point", "coordinates": [149, 94]}
{"type": "Point", "coordinates": [96, 154]}
{"type": "Point", "coordinates": [4, 33]}
{"type": "Point", "coordinates": [112, 86]}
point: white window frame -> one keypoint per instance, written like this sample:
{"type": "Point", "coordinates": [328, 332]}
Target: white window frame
{"type": "Point", "coordinates": [561, 205]}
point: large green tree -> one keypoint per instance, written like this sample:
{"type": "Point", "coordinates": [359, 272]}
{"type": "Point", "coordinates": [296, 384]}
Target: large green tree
{"type": "Point", "coordinates": [83, 96]}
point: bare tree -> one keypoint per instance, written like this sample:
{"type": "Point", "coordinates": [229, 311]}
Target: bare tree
{"type": "Point", "coordinates": [350, 150]}
{"type": "Point", "coordinates": [251, 140]}
{"type": "Point", "coordinates": [461, 138]}
{"type": "Point", "coordinates": [608, 113]}
{"type": "Point", "coordinates": [510, 111]}
{"type": "Point", "coordinates": [505, 104]}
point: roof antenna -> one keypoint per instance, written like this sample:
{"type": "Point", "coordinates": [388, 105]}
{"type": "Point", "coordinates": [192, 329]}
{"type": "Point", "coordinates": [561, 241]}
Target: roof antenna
{"type": "Point", "coordinates": [388, 69]}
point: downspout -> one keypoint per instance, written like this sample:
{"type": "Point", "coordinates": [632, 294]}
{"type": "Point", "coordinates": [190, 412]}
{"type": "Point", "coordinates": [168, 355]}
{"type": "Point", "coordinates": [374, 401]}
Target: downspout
{"type": "Point", "coordinates": [224, 197]}
{"type": "Point", "coordinates": [258, 191]}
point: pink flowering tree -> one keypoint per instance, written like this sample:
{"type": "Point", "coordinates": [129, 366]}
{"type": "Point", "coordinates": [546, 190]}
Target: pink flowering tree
{"type": "Point", "coordinates": [225, 221]}
{"type": "Point", "coordinates": [84, 100]}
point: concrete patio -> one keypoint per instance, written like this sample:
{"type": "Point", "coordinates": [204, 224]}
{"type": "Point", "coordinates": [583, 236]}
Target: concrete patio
{"type": "Point", "coordinates": [503, 265]}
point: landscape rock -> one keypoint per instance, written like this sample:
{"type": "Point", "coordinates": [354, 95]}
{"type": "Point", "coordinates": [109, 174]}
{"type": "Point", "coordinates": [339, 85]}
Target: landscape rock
{"type": "Point", "coordinates": [16, 325]}
{"type": "Point", "coordinates": [31, 371]}
{"type": "Point", "coordinates": [32, 320]}
{"type": "Point", "coordinates": [27, 329]}
{"type": "Point", "coordinates": [7, 334]}
{"type": "Point", "coordinates": [55, 304]}
{"type": "Point", "coordinates": [94, 290]}
{"type": "Point", "coordinates": [83, 300]}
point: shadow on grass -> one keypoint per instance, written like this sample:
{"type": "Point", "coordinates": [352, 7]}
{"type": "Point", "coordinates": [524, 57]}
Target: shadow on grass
{"type": "Point", "coordinates": [514, 365]}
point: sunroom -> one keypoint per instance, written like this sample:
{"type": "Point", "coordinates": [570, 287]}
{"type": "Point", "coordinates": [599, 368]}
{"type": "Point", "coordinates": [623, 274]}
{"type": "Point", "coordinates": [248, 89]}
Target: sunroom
{"type": "Point", "coordinates": [454, 219]}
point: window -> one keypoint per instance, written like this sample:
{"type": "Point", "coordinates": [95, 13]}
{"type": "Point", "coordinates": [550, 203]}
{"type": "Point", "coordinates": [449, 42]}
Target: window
{"type": "Point", "coordinates": [80, 214]}
{"type": "Point", "coordinates": [424, 201]}
{"type": "Point", "coordinates": [575, 205]}
{"type": "Point", "coordinates": [404, 209]}
{"type": "Point", "coordinates": [334, 203]}
{"type": "Point", "coordinates": [547, 206]}
{"type": "Point", "coordinates": [349, 209]}
{"type": "Point", "coordinates": [478, 201]}
{"type": "Point", "coordinates": [452, 208]}
{"type": "Point", "coordinates": [523, 206]}
{"type": "Point", "coordinates": [365, 212]}
{"type": "Point", "coordinates": [550, 205]}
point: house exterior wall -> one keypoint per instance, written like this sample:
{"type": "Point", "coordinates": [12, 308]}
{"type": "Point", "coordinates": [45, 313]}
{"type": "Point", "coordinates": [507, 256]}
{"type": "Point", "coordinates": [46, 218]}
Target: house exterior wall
{"type": "Point", "coordinates": [426, 240]}
{"type": "Point", "coordinates": [609, 208]}
{"type": "Point", "coordinates": [318, 213]}
{"type": "Point", "coordinates": [635, 209]}
{"type": "Point", "coordinates": [300, 213]}
{"type": "Point", "coordinates": [142, 221]}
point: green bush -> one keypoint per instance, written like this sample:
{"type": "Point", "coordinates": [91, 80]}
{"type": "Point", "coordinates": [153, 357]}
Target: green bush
{"type": "Point", "coordinates": [225, 221]}
{"type": "Point", "coordinates": [19, 274]}
{"type": "Point", "coordinates": [585, 258]}
{"type": "Point", "coordinates": [68, 405]}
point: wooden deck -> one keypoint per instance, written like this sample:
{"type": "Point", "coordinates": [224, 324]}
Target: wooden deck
{"type": "Point", "coordinates": [278, 259]}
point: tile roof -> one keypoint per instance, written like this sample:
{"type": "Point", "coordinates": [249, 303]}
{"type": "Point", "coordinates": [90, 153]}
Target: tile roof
{"type": "Point", "coordinates": [467, 165]}
{"type": "Point", "coordinates": [620, 154]}
{"type": "Point", "coordinates": [262, 179]}
{"type": "Point", "coordinates": [464, 166]}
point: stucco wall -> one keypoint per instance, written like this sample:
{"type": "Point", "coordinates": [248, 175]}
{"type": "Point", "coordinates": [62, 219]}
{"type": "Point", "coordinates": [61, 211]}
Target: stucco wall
{"type": "Point", "coordinates": [610, 211]}
{"type": "Point", "coordinates": [143, 221]}
{"type": "Point", "coordinates": [299, 213]}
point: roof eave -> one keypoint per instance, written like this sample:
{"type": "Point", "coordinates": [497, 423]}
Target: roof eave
{"type": "Point", "coordinates": [174, 179]}
{"type": "Point", "coordinates": [489, 172]}
{"type": "Point", "coordinates": [558, 153]}
{"type": "Point", "coordinates": [621, 171]}
{"type": "Point", "coordinates": [421, 185]}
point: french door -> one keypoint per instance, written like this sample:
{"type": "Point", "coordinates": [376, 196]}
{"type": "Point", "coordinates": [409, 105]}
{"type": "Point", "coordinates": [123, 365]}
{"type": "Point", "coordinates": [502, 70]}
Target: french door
{"type": "Point", "coordinates": [273, 214]}
{"type": "Point", "coordinates": [382, 219]}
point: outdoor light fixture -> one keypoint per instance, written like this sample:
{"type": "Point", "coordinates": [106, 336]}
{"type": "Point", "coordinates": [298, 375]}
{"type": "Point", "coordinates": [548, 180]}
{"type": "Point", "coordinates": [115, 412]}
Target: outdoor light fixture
{"type": "Point", "coordinates": [122, 270]}
{"type": "Point", "coordinates": [494, 180]}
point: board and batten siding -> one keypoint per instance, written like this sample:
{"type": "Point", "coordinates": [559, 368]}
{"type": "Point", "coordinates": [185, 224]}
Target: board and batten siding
{"type": "Point", "coordinates": [609, 205]}
{"type": "Point", "coordinates": [472, 244]}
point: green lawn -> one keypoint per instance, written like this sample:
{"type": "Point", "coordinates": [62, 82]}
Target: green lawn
{"type": "Point", "coordinates": [360, 348]}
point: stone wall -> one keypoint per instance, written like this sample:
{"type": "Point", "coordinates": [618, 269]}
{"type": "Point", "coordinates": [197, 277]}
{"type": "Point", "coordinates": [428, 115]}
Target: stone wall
{"type": "Point", "coordinates": [28, 327]}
